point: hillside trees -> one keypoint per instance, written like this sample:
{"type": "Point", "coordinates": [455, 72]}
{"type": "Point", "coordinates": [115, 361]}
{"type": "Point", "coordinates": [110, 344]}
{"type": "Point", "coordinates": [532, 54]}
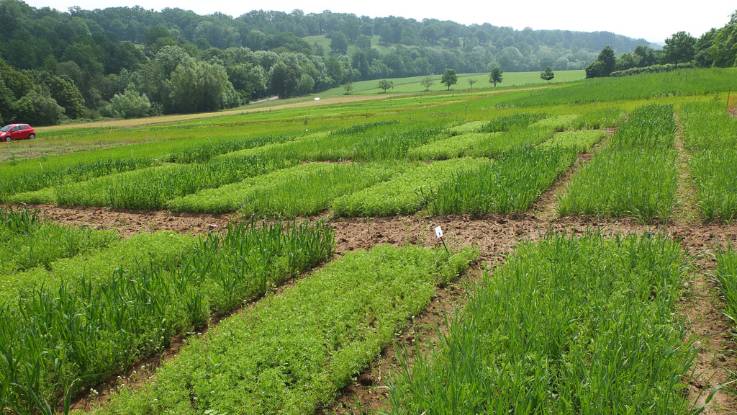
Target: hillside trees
{"type": "Point", "coordinates": [679, 48]}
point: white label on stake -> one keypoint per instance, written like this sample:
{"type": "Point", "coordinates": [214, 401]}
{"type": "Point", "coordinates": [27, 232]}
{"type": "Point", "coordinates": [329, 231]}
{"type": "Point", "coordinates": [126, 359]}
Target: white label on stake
{"type": "Point", "coordinates": [438, 232]}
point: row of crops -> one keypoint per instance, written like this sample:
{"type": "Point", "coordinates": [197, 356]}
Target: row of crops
{"type": "Point", "coordinates": [567, 324]}
{"type": "Point", "coordinates": [635, 175]}
{"type": "Point", "coordinates": [710, 135]}
{"type": "Point", "coordinates": [372, 169]}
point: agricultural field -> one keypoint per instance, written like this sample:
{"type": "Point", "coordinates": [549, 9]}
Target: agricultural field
{"type": "Point", "coordinates": [515, 250]}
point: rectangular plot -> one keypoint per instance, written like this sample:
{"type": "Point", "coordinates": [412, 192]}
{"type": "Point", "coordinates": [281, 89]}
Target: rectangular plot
{"type": "Point", "coordinates": [512, 140]}
{"type": "Point", "coordinates": [469, 127]}
{"type": "Point", "coordinates": [451, 147]}
{"type": "Point", "coordinates": [293, 352]}
{"type": "Point", "coordinates": [30, 242]}
{"type": "Point", "coordinates": [558, 122]}
{"type": "Point", "coordinates": [634, 176]}
{"type": "Point", "coordinates": [581, 141]}
{"type": "Point", "coordinates": [711, 134]}
{"type": "Point", "coordinates": [312, 193]}
{"type": "Point", "coordinates": [406, 193]}
{"type": "Point", "coordinates": [304, 189]}
{"type": "Point", "coordinates": [566, 326]}
{"type": "Point", "coordinates": [152, 187]}
{"type": "Point", "coordinates": [139, 250]}
{"type": "Point", "coordinates": [715, 176]}
{"type": "Point", "coordinates": [510, 184]}
{"type": "Point", "coordinates": [727, 275]}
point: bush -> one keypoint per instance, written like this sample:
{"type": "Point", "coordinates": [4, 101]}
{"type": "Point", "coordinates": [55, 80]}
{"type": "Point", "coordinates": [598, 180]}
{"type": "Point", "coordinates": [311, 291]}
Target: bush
{"type": "Point", "coordinates": [130, 104]}
{"type": "Point", "coordinates": [39, 109]}
{"type": "Point", "coordinates": [668, 67]}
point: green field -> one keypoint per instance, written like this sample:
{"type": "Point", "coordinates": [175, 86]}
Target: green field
{"type": "Point", "coordinates": [413, 84]}
{"type": "Point", "coordinates": [329, 265]}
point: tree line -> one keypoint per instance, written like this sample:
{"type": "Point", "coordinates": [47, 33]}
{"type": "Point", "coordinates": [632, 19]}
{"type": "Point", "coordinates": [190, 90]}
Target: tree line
{"type": "Point", "coordinates": [715, 48]}
{"type": "Point", "coordinates": [130, 62]}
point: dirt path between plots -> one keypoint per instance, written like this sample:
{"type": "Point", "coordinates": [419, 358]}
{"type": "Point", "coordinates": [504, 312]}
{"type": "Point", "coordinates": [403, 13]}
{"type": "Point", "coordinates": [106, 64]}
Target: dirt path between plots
{"type": "Point", "coordinates": [686, 211]}
{"type": "Point", "coordinates": [546, 208]}
{"type": "Point", "coordinates": [702, 304]}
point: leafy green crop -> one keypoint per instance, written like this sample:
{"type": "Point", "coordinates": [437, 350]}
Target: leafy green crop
{"type": "Point", "coordinates": [28, 241]}
{"type": "Point", "coordinates": [406, 193]}
{"type": "Point", "coordinates": [292, 352]}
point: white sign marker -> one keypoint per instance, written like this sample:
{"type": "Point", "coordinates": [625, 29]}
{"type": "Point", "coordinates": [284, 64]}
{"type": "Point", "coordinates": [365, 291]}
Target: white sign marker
{"type": "Point", "coordinates": [439, 232]}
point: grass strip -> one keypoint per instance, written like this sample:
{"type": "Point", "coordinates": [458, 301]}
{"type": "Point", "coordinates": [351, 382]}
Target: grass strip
{"type": "Point", "coordinates": [567, 325]}
{"type": "Point", "coordinates": [302, 190]}
{"type": "Point", "coordinates": [451, 147]}
{"type": "Point", "coordinates": [406, 193]}
{"type": "Point", "coordinates": [635, 175]}
{"type": "Point", "coordinates": [727, 275]}
{"type": "Point", "coordinates": [510, 184]}
{"type": "Point", "coordinates": [293, 352]}
{"type": "Point", "coordinates": [581, 140]}
{"type": "Point", "coordinates": [151, 188]}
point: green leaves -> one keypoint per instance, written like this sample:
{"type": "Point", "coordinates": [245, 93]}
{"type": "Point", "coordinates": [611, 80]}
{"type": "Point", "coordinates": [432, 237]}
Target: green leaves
{"type": "Point", "coordinates": [567, 325]}
{"type": "Point", "coordinates": [96, 315]}
{"type": "Point", "coordinates": [634, 176]}
{"type": "Point", "coordinates": [292, 352]}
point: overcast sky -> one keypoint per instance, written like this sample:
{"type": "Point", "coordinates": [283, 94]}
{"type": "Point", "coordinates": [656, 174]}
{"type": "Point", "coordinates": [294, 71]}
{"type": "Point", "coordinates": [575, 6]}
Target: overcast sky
{"type": "Point", "coordinates": [653, 20]}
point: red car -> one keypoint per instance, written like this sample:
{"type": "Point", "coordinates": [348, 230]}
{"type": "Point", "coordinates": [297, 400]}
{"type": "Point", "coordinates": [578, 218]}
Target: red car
{"type": "Point", "coordinates": [17, 132]}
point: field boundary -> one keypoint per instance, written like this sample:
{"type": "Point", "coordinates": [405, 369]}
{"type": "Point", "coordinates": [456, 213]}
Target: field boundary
{"type": "Point", "coordinates": [685, 210]}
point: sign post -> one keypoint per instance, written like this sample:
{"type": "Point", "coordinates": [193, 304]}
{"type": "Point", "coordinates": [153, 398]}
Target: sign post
{"type": "Point", "coordinates": [439, 235]}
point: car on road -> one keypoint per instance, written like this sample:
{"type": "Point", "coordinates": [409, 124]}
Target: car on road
{"type": "Point", "coordinates": [17, 132]}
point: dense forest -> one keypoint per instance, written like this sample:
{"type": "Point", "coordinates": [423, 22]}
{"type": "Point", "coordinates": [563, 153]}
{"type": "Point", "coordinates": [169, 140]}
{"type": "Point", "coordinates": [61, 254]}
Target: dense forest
{"type": "Point", "coordinates": [130, 62]}
{"type": "Point", "coordinates": [715, 48]}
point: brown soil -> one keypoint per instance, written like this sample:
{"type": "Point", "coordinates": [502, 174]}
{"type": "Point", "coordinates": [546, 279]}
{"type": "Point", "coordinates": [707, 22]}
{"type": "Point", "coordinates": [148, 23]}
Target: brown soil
{"type": "Point", "coordinates": [129, 223]}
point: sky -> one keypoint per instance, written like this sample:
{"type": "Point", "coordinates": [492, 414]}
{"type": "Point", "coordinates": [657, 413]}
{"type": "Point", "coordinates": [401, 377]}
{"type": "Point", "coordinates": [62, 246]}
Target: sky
{"type": "Point", "coordinates": [653, 20]}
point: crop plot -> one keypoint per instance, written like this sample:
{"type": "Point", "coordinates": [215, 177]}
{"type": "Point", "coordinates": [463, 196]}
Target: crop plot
{"type": "Point", "coordinates": [161, 249]}
{"type": "Point", "coordinates": [515, 139]}
{"type": "Point", "coordinates": [293, 352]}
{"type": "Point", "coordinates": [510, 184]}
{"type": "Point", "coordinates": [152, 187]}
{"type": "Point", "coordinates": [581, 140]}
{"type": "Point", "coordinates": [727, 275]}
{"type": "Point", "coordinates": [711, 135]}
{"type": "Point", "coordinates": [469, 127]}
{"type": "Point", "coordinates": [634, 176]}
{"type": "Point", "coordinates": [135, 312]}
{"type": "Point", "coordinates": [31, 242]}
{"type": "Point", "coordinates": [273, 194]}
{"type": "Point", "coordinates": [569, 325]}
{"type": "Point", "coordinates": [557, 123]}
{"type": "Point", "coordinates": [406, 193]}
{"type": "Point", "coordinates": [451, 147]}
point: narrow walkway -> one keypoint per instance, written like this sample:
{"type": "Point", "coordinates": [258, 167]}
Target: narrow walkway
{"type": "Point", "coordinates": [702, 304]}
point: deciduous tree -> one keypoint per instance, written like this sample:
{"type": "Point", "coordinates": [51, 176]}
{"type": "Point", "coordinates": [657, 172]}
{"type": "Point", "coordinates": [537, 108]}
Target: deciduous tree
{"type": "Point", "coordinates": [496, 76]}
{"type": "Point", "coordinates": [449, 78]}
